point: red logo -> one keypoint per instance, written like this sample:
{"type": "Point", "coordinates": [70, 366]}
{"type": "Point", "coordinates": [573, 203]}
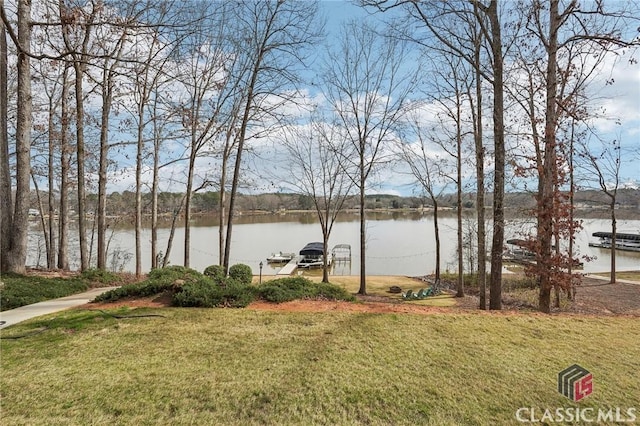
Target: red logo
{"type": "Point", "coordinates": [583, 387]}
{"type": "Point", "coordinates": [575, 382]}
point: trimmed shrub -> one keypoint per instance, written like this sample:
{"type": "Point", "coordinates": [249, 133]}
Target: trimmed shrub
{"type": "Point", "coordinates": [242, 273]}
{"type": "Point", "coordinates": [205, 294]}
{"type": "Point", "coordinates": [277, 294]}
{"type": "Point", "coordinates": [216, 272]}
{"type": "Point", "coordinates": [333, 292]}
{"type": "Point", "coordinates": [143, 289]}
{"type": "Point", "coordinates": [292, 288]}
{"type": "Point", "coordinates": [159, 281]}
{"type": "Point", "coordinates": [173, 273]}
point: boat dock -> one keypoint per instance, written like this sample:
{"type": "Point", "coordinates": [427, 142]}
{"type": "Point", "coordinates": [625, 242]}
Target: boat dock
{"type": "Point", "coordinates": [341, 253]}
{"type": "Point", "coordinates": [290, 267]}
{"type": "Point", "coordinates": [311, 256]}
{"type": "Point", "coordinates": [624, 241]}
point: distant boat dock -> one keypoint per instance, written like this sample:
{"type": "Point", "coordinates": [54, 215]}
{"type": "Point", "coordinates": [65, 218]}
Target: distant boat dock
{"type": "Point", "coordinates": [624, 241]}
{"type": "Point", "coordinates": [312, 253]}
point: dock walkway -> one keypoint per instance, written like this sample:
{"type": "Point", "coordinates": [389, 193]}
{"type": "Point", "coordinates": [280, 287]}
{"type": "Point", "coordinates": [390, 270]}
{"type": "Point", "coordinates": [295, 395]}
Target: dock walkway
{"type": "Point", "coordinates": [290, 267]}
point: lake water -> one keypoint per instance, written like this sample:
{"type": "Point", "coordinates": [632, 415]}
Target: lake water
{"type": "Point", "coordinates": [397, 243]}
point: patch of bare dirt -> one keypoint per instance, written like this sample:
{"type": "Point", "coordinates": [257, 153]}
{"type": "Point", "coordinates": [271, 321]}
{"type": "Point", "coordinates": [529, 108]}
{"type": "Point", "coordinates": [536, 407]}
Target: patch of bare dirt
{"type": "Point", "coordinates": [54, 273]}
{"type": "Point", "coordinates": [600, 297]}
{"type": "Point", "coordinates": [593, 297]}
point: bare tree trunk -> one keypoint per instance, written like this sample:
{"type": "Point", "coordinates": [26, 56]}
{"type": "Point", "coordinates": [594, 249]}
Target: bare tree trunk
{"type": "Point", "coordinates": [6, 216]}
{"type": "Point", "coordinates": [495, 295]}
{"type": "Point", "coordinates": [174, 221]}
{"type": "Point", "coordinates": [51, 242]}
{"type": "Point", "coordinates": [221, 218]}
{"type": "Point", "coordinates": [154, 199]}
{"type": "Point", "coordinates": [79, 57]}
{"type": "Point", "coordinates": [479, 148]}
{"type": "Point", "coordinates": [614, 229]}
{"type": "Point", "coordinates": [187, 208]}
{"type": "Point", "coordinates": [17, 255]}
{"type": "Point", "coordinates": [222, 221]}
{"type": "Point", "coordinates": [138, 214]}
{"type": "Point", "coordinates": [80, 156]}
{"type": "Point", "coordinates": [479, 157]}
{"type": "Point", "coordinates": [325, 241]}
{"type": "Point", "coordinates": [436, 229]}
{"type": "Point", "coordinates": [43, 224]}
{"type": "Point", "coordinates": [63, 213]}
{"type": "Point", "coordinates": [460, 289]}
{"type": "Point", "coordinates": [572, 287]}
{"type": "Point", "coordinates": [107, 94]}
{"type": "Point", "coordinates": [363, 230]}
{"type": "Point", "coordinates": [546, 186]}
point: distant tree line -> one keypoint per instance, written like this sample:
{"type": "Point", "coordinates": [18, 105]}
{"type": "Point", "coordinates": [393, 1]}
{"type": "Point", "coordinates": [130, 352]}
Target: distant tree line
{"type": "Point", "coordinates": [122, 203]}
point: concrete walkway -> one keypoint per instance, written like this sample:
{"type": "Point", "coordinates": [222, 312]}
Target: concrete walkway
{"type": "Point", "coordinates": [23, 313]}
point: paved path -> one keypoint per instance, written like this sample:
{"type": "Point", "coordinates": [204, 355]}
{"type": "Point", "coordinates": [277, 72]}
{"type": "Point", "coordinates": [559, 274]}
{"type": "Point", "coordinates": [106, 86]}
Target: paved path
{"type": "Point", "coordinates": [23, 313]}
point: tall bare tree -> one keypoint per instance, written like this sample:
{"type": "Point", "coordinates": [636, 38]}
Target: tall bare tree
{"type": "Point", "coordinates": [48, 78]}
{"type": "Point", "coordinates": [157, 30]}
{"type": "Point", "coordinates": [6, 216]}
{"type": "Point", "coordinates": [15, 250]}
{"type": "Point", "coordinates": [274, 40]}
{"type": "Point", "coordinates": [77, 25]}
{"type": "Point", "coordinates": [113, 42]}
{"type": "Point", "coordinates": [478, 132]}
{"type": "Point", "coordinates": [424, 161]}
{"type": "Point", "coordinates": [466, 29]}
{"type": "Point", "coordinates": [316, 172]}
{"type": "Point", "coordinates": [369, 92]}
{"type": "Point", "coordinates": [454, 105]}
{"type": "Point", "coordinates": [207, 71]}
{"type": "Point", "coordinates": [65, 160]}
{"type": "Point", "coordinates": [603, 165]}
{"type": "Point", "coordinates": [493, 34]}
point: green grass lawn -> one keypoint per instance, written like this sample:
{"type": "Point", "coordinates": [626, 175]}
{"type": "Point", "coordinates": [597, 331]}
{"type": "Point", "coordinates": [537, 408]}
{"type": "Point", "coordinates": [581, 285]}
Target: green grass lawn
{"type": "Point", "coordinates": [19, 290]}
{"type": "Point", "coordinates": [226, 366]}
{"type": "Point", "coordinates": [623, 275]}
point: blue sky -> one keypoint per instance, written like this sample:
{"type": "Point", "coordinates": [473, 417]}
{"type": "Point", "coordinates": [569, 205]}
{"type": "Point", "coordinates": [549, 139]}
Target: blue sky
{"type": "Point", "coordinates": [620, 101]}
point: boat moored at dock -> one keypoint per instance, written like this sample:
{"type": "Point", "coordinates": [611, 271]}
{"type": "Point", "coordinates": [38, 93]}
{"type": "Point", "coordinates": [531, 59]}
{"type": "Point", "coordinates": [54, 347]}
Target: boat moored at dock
{"type": "Point", "coordinates": [280, 257]}
{"type": "Point", "coordinates": [312, 256]}
{"type": "Point", "coordinates": [624, 241]}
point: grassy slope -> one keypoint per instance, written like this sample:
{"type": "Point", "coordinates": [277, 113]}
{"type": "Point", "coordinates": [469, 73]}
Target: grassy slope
{"type": "Point", "coordinates": [199, 366]}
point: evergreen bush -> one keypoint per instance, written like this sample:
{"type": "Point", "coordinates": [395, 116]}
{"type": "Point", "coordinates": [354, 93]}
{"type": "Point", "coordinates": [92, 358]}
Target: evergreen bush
{"type": "Point", "coordinates": [205, 294]}
{"type": "Point", "coordinates": [242, 273]}
{"type": "Point", "coordinates": [292, 288]}
{"type": "Point", "coordinates": [216, 272]}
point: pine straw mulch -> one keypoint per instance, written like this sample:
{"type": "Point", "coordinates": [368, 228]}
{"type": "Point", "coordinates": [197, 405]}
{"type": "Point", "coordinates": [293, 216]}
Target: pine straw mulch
{"type": "Point", "coordinates": [594, 297]}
